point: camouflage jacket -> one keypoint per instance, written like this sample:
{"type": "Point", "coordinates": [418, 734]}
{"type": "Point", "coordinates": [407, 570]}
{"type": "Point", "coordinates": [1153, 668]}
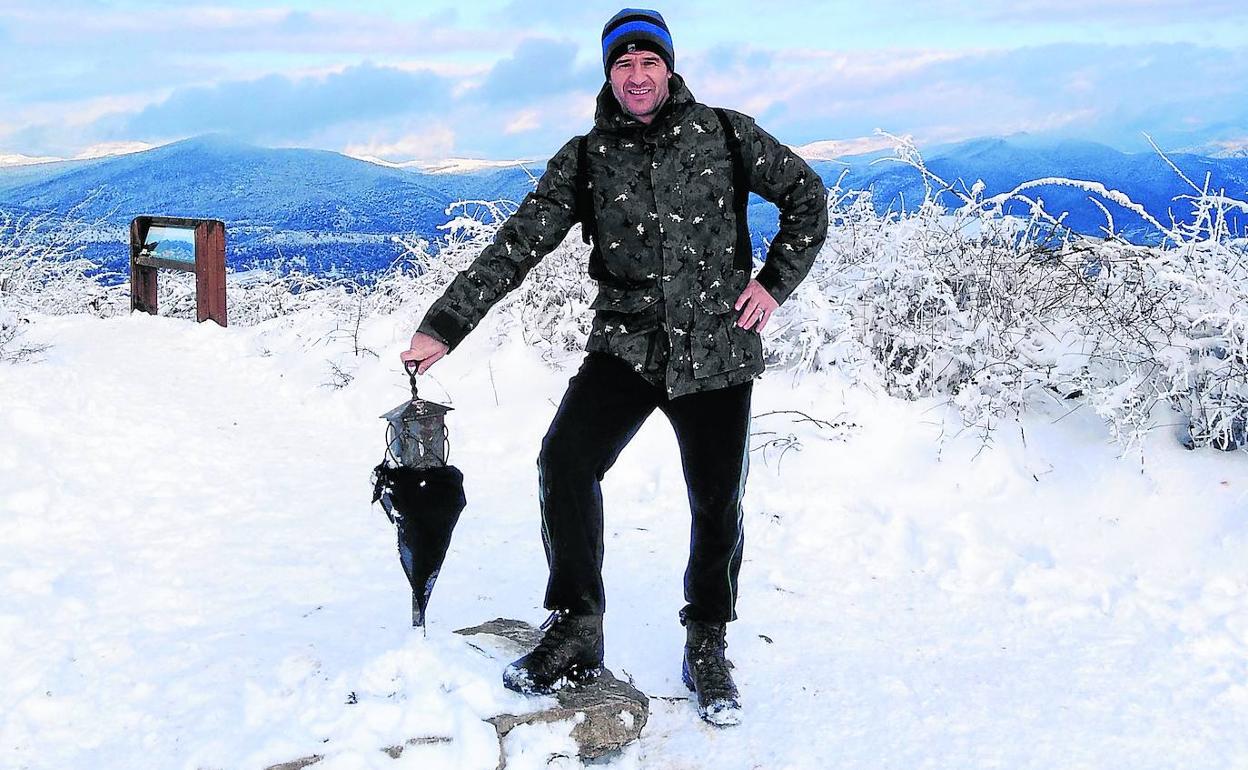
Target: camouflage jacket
{"type": "Point", "coordinates": [665, 255]}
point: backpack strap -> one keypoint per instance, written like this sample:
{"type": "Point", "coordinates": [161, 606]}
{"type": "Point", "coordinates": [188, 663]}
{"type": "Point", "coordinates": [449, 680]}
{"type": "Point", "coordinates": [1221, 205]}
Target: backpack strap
{"type": "Point", "coordinates": [743, 259]}
{"type": "Point", "coordinates": [584, 211]}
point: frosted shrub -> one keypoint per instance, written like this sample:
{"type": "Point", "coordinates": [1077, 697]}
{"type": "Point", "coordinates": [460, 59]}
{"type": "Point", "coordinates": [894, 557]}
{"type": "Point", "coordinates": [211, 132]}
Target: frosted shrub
{"type": "Point", "coordinates": [815, 329]}
{"type": "Point", "coordinates": [1169, 328]}
{"type": "Point", "coordinates": [548, 310]}
{"type": "Point", "coordinates": [276, 290]}
{"type": "Point", "coordinates": [12, 348]}
{"type": "Point", "coordinates": [993, 310]}
{"type": "Point", "coordinates": [964, 304]}
{"type": "Point", "coordinates": [42, 269]}
{"type": "Point", "coordinates": [1210, 383]}
{"type": "Point", "coordinates": [551, 307]}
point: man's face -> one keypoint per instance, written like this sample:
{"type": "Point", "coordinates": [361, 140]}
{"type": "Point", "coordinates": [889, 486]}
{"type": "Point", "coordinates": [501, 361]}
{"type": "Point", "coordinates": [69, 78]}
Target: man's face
{"type": "Point", "coordinates": [639, 82]}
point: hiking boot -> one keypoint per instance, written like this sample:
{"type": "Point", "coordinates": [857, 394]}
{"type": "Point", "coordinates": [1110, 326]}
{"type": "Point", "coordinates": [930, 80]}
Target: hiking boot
{"type": "Point", "coordinates": [569, 654]}
{"type": "Point", "coordinates": [708, 673]}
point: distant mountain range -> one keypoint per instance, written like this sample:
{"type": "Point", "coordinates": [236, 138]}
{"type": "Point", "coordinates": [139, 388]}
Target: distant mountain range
{"type": "Point", "coordinates": [332, 210]}
{"type": "Point", "coordinates": [1003, 164]}
{"type": "Point", "coordinates": [342, 213]}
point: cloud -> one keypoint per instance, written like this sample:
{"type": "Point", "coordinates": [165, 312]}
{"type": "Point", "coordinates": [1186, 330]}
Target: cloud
{"type": "Point", "coordinates": [591, 16]}
{"type": "Point", "coordinates": [518, 79]}
{"type": "Point", "coordinates": [66, 130]}
{"type": "Point", "coordinates": [1063, 13]}
{"type": "Point", "coordinates": [726, 57]}
{"type": "Point", "coordinates": [526, 105]}
{"type": "Point", "coordinates": [558, 13]}
{"type": "Point", "coordinates": [276, 107]}
{"type": "Point", "coordinates": [526, 121]}
{"type": "Point", "coordinates": [539, 67]}
{"type": "Point", "coordinates": [1108, 93]}
{"type": "Point", "coordinates": [1235, 146]}
{"type": "Point", "coordinates": [494, 131]}
{"type": "Point", "coordinates": [437, 141]}
{"type": "Point", "coordinates": [214, 29]}
{"type": "Point", "coordinates": [773, 85]}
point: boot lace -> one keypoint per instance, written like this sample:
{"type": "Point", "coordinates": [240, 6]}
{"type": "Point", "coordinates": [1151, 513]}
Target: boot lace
{"type": "Point", "coordinates": [556, 636]}
{"type": "Point", "coordinates": [713, 668]}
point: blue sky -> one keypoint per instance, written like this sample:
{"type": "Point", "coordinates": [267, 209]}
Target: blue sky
{"type": "Point", "coordinates": [508, 79]}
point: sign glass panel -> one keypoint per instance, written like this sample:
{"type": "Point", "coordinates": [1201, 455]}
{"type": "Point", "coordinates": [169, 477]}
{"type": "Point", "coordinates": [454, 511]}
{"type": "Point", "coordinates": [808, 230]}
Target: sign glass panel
{"type": "Point", "coordinates": [175, 243]}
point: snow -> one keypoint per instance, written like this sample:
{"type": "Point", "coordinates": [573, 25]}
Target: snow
{"type": "Point", "coordinates": [108, 149]}
{"type": "Point", "coordinates": [834, 149]}
{"type": "Point", "coordinates": [446, 165]}
{"type": "Point", "coordinates": [17, 159]}
{"type": "Point", "coordinates": [104, 150]}
{"type": "Point", "coordinates": [1228, 148]}
{"type": "Point", "coordinates": [191, 575]}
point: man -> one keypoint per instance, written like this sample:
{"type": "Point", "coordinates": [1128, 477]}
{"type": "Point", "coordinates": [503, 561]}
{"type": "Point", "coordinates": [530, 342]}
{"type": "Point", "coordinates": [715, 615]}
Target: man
{"type": "Point", "coordinates": [676, 328]}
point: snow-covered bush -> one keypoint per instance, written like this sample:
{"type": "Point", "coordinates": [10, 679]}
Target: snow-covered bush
{"type": "Point", "coordinates": [42, 269]}
{"type": "Point", "coordinates": [969, 304]}
{"type": "Point", "coordinates": [549, 309]}
{"type": "Point", "coordinates": [994, 310]}
{"type": "Point", "coordinates": [1169, 326]}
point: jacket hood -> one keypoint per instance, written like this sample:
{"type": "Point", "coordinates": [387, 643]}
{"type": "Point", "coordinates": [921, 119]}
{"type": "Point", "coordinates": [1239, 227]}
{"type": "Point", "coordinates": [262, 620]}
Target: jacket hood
{"type": "Point", "coordinates": [610, 117]}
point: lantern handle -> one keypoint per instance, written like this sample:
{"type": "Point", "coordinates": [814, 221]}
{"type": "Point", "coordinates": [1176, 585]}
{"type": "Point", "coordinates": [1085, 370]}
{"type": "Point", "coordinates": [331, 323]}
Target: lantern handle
{"type": "Point", "coordinates": [411, 374]}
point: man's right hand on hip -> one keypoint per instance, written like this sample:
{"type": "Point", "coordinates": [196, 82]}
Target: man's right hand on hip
{"type": "Point", "coordinates": [425, 350]}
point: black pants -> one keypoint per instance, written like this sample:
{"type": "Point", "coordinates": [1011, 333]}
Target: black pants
{"type": "Point", "coordinates": [604, 407]}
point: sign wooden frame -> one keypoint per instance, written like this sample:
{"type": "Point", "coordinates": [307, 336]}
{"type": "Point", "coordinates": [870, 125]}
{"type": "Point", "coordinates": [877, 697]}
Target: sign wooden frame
{"type": "Point", "coordinates": [209, 265]}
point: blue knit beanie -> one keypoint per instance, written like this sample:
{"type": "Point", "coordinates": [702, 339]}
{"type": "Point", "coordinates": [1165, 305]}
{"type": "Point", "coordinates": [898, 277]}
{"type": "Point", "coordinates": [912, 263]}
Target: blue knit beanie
{"type": "Point", "coordinates": [637, 29]}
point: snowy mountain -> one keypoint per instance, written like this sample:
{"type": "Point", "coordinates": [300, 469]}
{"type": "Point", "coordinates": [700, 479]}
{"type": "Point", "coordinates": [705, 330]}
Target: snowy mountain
{"type": "Point", "coordinates": [24, 160]}
{"type": "Point", "coordinates": [104, 150]}
{"type": "Point", "coordinates": [836, 149]}
{"type": "Point", "coordinates": [447, 165]}
{"type": "Point", "coordinates": [1002, 164]}
{"type": "Point", "coordinates": [332, 210]}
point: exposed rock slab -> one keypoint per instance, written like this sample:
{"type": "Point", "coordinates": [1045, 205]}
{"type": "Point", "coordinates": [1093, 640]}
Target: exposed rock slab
{"type": "Point", "coordinates": [607, 714]}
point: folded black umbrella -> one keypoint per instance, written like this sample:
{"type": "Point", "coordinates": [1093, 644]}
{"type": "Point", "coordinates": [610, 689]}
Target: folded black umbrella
{"type": "Point", "coordinates": [422, 495]}
{"type": "Point", "coordinates": [424, 504]}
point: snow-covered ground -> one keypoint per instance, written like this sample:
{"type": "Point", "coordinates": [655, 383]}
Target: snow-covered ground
{"type": "Point", "coordinates": [191, 575]}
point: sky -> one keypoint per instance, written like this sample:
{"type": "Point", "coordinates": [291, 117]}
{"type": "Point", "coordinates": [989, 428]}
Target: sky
{"type": "Point", "coordinates": [505, 79]}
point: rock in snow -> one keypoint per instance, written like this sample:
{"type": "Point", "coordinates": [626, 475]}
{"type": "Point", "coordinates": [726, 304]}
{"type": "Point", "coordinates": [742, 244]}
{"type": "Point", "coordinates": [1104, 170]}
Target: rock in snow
{"type": "Point", "coordinates": [607, 714]}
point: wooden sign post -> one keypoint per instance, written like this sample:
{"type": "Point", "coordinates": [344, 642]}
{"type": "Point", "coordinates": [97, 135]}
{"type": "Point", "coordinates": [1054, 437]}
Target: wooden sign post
{"type": "Point", "coordinates": [202, 253]}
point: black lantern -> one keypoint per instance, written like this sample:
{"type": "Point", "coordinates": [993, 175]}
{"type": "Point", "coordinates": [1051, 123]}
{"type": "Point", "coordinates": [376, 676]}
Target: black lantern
{"type": "Point", "coordinates": [417, 436]}
{"type": "Point", "coordinates": [420, 493]}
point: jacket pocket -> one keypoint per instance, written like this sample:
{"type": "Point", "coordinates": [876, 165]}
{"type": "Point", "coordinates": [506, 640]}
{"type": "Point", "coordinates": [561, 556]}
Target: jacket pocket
{"type": "Point", "coordinates": [633, 309]}
{"type": "Point", "coordinates": [718, 344]}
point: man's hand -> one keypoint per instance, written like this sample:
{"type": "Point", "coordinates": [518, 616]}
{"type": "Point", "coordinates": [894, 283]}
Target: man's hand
{"type": "Point", "coordinates": [424, 349]}
{"type": "Point", "coordinates": [758, 304]}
